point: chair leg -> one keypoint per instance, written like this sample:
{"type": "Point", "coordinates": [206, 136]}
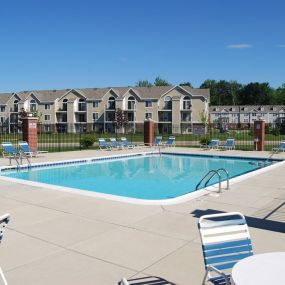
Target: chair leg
{"type": "Point", "coordinates": [3, 277]}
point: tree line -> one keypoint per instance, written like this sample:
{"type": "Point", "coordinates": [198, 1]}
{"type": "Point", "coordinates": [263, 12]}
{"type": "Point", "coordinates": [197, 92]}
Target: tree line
{"type": "Point", "coordinates": [232, 92]}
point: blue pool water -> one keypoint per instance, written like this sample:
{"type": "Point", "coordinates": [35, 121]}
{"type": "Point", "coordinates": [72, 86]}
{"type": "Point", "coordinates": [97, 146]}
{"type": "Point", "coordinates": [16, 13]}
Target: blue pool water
{"type": "Point", "coordinates": [150, 177]}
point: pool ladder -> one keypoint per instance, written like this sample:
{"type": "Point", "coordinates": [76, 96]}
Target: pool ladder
{"type": "Point", "coordinates": [213, 174]}
{"type": "Point", "coordinates": [22, 155]}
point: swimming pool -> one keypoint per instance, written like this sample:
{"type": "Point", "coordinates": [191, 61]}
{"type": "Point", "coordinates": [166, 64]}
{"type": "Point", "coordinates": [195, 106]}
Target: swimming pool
{"type": "Point", "coordinates": [150, 177]}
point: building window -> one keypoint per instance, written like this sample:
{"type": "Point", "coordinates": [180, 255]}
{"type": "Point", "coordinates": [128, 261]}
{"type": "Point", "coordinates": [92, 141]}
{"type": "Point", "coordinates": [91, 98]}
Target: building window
{"type": "Point", "coordinates": [47, 128]}
{"type": "Point", "coordinates": [2, 120]}
{"type": "Point", "coordinates": [148, 104]}
{"type": "Point", "coordinates": [47, 106]}
{"type": "Point", "coordinates": [95, 117]}
{"type": "Point", "coordinates": [33, 105]}
{"type": "Point", "coordinates": [168, 103]}
{"type": "Point", "coordinates": [47, 117]}
{"type": "Point", "coordinates": [96, 104]}
{"type": "Point", "coordinates": [148, 116]}
{"type": "Point", "coordinates": [2, 109]}
{"type": "Point", "coordinates": [82, 105]}
{"type": "Point", "coordinates": [253, 114]}
{"type": "Point", "coordinates": [15, 106]}
{"type": "Point", "coordinates": [187, 103]}
{"type": "Point", "coordinates": [131, 103]}
{"type": "Point", "coordinates": [111, 103]}
{"type": "Point", "coordinates": [64, 105]}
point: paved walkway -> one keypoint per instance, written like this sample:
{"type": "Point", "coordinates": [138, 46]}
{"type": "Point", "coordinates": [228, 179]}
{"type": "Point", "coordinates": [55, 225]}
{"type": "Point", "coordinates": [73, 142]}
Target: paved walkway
{"type": "Point", "coordinates": [61, 238]}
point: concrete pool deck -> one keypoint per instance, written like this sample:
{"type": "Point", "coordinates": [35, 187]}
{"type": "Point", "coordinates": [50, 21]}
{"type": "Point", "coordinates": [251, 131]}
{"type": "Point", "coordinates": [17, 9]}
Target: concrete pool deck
{"type": "Point", "coordinates": [56, 237]}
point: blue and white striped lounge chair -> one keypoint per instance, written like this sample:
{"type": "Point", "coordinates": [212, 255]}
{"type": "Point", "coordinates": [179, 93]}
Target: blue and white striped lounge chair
{"type": "Point", "coordinates": [145, 280]}
{"type": "Point", "coordinates": [225, 241]}
{"type": "Point", "coordinates": [4, 220]}
{"type": "Point", "coordinates": [125, 143]}
{"type": "Point", "coordinates": [157, 140]}
{"type": "Point", "coordinates": [10, 151]}
{"type": "Point", "coordinates": [229, 145]}
{"type": "Point", "coordinates": [25, 148]}
{"type": "Point", "coordinates": [103, 144]}
{"type": "Point", "coordinates": [281, 147]}
{"type": "Point", "coordinates": [114, 143]}
{"type": "Point", "coordinates": [170, 142]}
{"type": "Point", "coordinates": [214, 144]}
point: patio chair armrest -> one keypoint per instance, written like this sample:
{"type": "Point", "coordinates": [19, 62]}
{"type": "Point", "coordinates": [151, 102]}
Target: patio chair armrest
{"type": "Point", "coordinates": [212, 268]}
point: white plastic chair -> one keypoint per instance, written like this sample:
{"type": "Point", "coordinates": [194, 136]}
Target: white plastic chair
{"type": "Point", "coordinates": [4, 220]}
{"type": "Point", "coordinates": [225, 240]}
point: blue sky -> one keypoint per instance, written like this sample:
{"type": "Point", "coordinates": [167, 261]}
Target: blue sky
{"type": "Point", "coordinates": [52, 44]}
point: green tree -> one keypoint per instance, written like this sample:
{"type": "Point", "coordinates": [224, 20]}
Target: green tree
{"type": "Point", "coordinates": [186, 84]}
{"type": "Point", "coordinates": [222, 92]}
{"type": "Point", "coordinates": [143, 83]}
{"type": "Point", "coordinates": [279, 95]}
{"type": "Point", "coordinates": [204, 120]}
{"type": "Point", "coordinates": [161, 82]}
{"type": "Point", "coordinates": [120, 119]}
{"type": "Point", "coordinates": [256, 93]}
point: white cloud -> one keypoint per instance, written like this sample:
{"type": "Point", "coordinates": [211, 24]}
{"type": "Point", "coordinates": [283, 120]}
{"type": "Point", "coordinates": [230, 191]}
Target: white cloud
{"type": "Point", "coordinates": [239, 46]}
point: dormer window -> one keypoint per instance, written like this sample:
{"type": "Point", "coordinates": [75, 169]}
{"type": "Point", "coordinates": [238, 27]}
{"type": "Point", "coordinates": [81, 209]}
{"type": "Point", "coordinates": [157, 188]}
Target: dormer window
{"type": "Point", "coordinates": [33, 105]}
{"type": "Point", "coordinates": [131, 103]}
{"type": "Point", "coordinates": [64, 104]}
{"type": "Point", "coordinates": [187, 103]}
{"type": "Point", "coordinates": [111, 103]}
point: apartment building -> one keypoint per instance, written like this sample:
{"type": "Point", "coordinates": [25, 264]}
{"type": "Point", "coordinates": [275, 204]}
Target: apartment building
{"type": "Point", "coordinates": [246, 115]}
{"type": "Point", "coordinates": [175, 109]}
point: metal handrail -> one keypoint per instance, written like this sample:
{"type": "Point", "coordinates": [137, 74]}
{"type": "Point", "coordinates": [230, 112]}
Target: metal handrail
{"type": "Point", "coordinates": [26, 157]}
{"type": "Point", "coordinates": [215, 172]}
{"type": "Point", "coordinates": [227, 174]}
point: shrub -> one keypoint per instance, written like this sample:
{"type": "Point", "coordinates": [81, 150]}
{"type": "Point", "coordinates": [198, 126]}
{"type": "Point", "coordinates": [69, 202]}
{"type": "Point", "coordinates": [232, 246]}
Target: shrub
{"type": "Point", "coordinates": [205, 140]}
{"type": "Point", "coordinates": [87, 141]}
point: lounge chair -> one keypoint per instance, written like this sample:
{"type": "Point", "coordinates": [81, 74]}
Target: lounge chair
{"type": "Point", "coordinates": [145, 280]}
{"type": "Point", "coordinates": [114, 143]}
{"type": "Point", "coordinates": [4, 220]}
{"type": "Point", "coordinates": [25, 148]}
{"type": "Point", "coordinates": [225, 241]}
{"type": "Point", "coordinates": [214, 144]}
{"type": "Point", "coordinates": [157, 141]}
{"type": "Point", "coordinates": [125, 143]}
{"type": "Point", "coordinates": [170, 142]}
{"type": "Point", "coordinates": [103, 144]}
{"type": "Point", "coordinates": [9, 151]}
{"type": "Point", "coordinates": [229, 145]}
{"type": "Point", "coordinates": [281, 147]}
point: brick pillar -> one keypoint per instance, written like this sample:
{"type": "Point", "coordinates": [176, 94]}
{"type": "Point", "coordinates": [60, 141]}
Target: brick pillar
{"type": "Point", "coordinates": [259, 135]}
{"type": "Point", "coordinates": [30, 131]}
{"type": "Point", "coordinates": [149, 131]}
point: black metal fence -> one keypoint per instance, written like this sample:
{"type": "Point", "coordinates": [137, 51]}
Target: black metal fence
{"type": "Point", "coordinates": [55, 138]}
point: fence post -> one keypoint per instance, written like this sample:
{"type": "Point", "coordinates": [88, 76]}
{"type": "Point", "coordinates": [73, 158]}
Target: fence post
{"type": "Point", "coordinates": [148, 132]}
{"type": "Point", "coordinates": [259, 135]}
{"type": "Point", "coordinates": [30, 131]}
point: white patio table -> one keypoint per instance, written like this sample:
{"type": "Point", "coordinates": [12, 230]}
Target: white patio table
{"type": "Point", "coordinates": [261, 269]}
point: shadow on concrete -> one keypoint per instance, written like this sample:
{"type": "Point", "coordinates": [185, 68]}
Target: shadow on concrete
{"type": "Point", "coordinates": [263, 222]}
{"type": "Point", "coordinates": [152, 280]}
